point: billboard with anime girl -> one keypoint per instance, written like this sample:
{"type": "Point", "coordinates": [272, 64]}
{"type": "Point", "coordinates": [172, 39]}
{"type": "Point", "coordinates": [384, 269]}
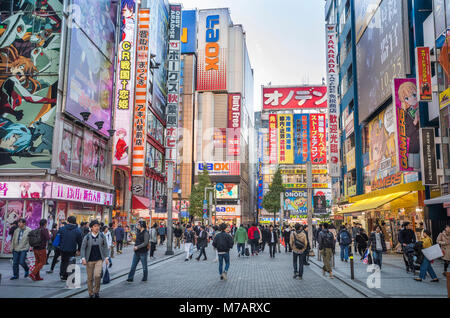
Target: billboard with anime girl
{"type": "Point", "coordinates": [30, 37]}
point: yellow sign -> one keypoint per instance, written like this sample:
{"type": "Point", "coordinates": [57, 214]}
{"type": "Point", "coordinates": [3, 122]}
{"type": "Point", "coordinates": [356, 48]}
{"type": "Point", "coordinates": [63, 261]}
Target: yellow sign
{"type": "Point", "coordinates": [303, 185]}
{"type": "Point", "coordinates": [285, 139]}
{"type": "Point", "coordinates": [351, 191]}
{"type": "Point", "coordinates": [351, 161]}
{"type": "Point", "coordinates": [303, 171]}
{"type": "Point", "coordinates": [444, 98]}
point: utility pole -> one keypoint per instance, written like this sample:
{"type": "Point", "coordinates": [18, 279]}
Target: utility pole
{"type": "Point", "coordinates": [169, 250]}
{"type": "Point", "coordinates": [310, 198]}
{"type": "Point", "coordinates": [281, 208]}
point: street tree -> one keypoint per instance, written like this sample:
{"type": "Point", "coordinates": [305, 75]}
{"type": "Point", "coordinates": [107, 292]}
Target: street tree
{"type": "Point", "coordinates": [271, 200]}
{"type": "Point", "coordinates": [198, 192]}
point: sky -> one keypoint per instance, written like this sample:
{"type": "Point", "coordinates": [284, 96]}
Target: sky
{"type": "Point", "coordinates": [285, 38]}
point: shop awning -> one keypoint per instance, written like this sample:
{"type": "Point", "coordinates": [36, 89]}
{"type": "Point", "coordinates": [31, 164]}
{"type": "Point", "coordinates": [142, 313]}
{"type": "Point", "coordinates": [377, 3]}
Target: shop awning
{"type": "Point", "coordinates": [140, 203]}
{"type": "Point", "coordinates": [439, 200]}
{"type": "Point", "coordinates": [373, 203]}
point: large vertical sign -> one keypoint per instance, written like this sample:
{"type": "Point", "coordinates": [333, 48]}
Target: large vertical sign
{"type": "Point", "coordinates": [282, 140]}
{"type": "Point", "coordinates": [212, 50]}
{"type": "Point", "coordinates": [423, 71]}
{"type": "Point", "coordinates": [234, 125]}
{"type": "Point", "coordinates": [189, 31]}
{"type": "Point", "coordinates": [302, 147]}
{"type": "Point", "coordinates": [428, 156]}
{"type": "Point", "coordinates": [124, 85]}
{"type": "Point", "coordinates": [140, 105]}
{"type": "Point", "coordinates": [273, 149]}
{"type": "Point", "coordinates": [318, 139]}
{"type": "Point", "coordinates": [173, 82]}
{"type": "Point", "coordinates": [407, 110]}
{"type": "Point", "coordinates": [333, 108]}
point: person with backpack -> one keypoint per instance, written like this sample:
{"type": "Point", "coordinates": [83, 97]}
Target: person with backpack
{"type": "Point", "coordinates": [202, 242]}
{"type": "Point", "coordinates": [20, 247]}
{"type": "Point", "coordinates": [153, 240]}
{"type": "Point", "coordinates": [162, 234]}
{"type": "Point", "coordinates": [326, 246]}
{"type": "Point", "coordinates": [38, 241]}
{"type": "Point", "coordinates": [241, 237]}
{"type": "Point", "coordinates": [94, 251]}
{"type": "Point", "coordinates": [272, 240]}
{"type": "Point", "coordinates": [287, 237]}
{"type": "Point", "coordinates": [190, 241]}
{"type": "Point", "coordinates": [69, 244]}
{"type": "Point", "coordinates": [119, 233]}
{"type": "Point", "coordinates": [254, 236]}
{"type": "Point", "coordinates": [298, 242]}
{"type": "Point", "coordinates": [265, 237]}
{"type": "Point", "coordinates": [178, 233]}
{"type": "Point", "coordinates": [140, 251]}
{"type": "Point", "coordinates": [344, 240]}
{"type": "Point", "coordinates": [377, 244]}
{"type": "Point", "coordinates": [223, 242]}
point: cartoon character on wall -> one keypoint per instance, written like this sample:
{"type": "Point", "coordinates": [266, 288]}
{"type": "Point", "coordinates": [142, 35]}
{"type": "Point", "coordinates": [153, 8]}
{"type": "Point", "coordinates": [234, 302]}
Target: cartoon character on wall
{"type": "Point", "coordinates": [15, 139]}
{"type": "Point", "coordinates": [121, 146]}
{"type": "Point", "coordinates": [127, 25]}
{"type": "Point", "coordinates": [407, 94]}
{"type": "Point", "coordinates": [65, 152]}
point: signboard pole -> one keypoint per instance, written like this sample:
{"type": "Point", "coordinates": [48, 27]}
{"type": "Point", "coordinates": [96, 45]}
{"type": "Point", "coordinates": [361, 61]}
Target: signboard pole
{"type": "Point", "coordinates": [169, 250]}
{"type": "Point", "coordinates": [310, 201]}
{"type": "Point", "coordinates": [281, 208]}
{"type": "Point", "coordinates": [210, 207]}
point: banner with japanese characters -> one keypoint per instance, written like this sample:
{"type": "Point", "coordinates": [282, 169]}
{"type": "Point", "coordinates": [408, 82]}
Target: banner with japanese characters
{"type": "Point", "coordinates": [333, 108]}
{"type": "Point", "coordinates": [124, 85]}
{"type": "Point", "coordinates": [302, 147]}
{"type": "Point", "coordinates": [285, 143]}
{"type": "Point", "coordinates": [140, 105]}
{"type": "Point", "coordinates": [318, 139]}
{"type": "Point", "coordinates": [423, 71]}
{"type": "Point", "coordinates": [173, 83]}
{"type": "Point", "coordinates": [299, 97]}
{"type": "Point", "coordinates": [273, 133]}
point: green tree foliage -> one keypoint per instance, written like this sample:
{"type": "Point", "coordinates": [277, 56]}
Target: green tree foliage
{"type": "Point", "coordinates": [198, 193]}
{"type": "Point", "coordinates": [271, 201]}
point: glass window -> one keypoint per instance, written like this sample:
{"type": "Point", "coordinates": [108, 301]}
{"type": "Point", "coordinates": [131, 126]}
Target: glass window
{"type": "Point", "coordinates": [439, 16]}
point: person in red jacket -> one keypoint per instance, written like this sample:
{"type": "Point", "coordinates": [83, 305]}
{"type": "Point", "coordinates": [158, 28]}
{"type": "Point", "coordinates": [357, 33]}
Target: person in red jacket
{"type": "Point", "coordinates": [254, 236]}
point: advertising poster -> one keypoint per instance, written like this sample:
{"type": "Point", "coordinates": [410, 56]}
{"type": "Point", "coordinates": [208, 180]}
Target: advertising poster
{"type": "Point", "coordinates": [260, 184]}
{"type": "Point", "coordinates": [299, 97]}
{"type": "Point", "coordinates": [25, 190]}
{"type": "Point", "coordinates": [212, 49]}
{"type": "Point", "coordinates": [14, 212]}
{"type": "Point", "coordinates": [281, 139]}
{"type": "Point", "coordinates": [444, 98]}
{"type": "Point", "coordinates": [273, 133]}
{"type": "Point", "coordinates": [407, 109]}
{"type": "Point", "coordinates": [289, 138]}
{"type": "Point", "coordinates": [318, 139]}
{"type": "Point", "coordinates": [234, 125]}
{"type": "Point", "coordinates": [302, 148]}
{"type": "Point", "coordinates": [423, 71]}
{"type": "Point", "coordinates": [382, 132]}
{"type": "Point", "coordinates": [351, 160]}
{"type": "Point", "coordinates": [140, 105]}
{"type": "Point", "coordinates": [229, 192]}
{"type": "Point", "coordinates": [364, 11]}
{"type": "Point", "coordinates": [189, 32]}
{"type": "Point", "coordinates": [428, 156]}
{"type": "Point", "coordinates": [125, 85]}
{"type": "Point", "coordinates": [296, 202]}
{"type": "Point", "coordinates": [30, 42]}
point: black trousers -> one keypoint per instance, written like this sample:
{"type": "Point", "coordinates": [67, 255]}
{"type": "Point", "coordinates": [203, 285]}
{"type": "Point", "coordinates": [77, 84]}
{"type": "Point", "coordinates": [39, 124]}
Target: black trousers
{"type": "Point", "coordinates": [119, 246]}
{"type": "Point", "coordinates": [161, 239]}
{"type": "Point", "coordinates": [298, 266]}
{"type": "Point", "coordinates": [202, 252]}
{"type": "Point", "coordinates": [446, 265]}
{"type": "Point", "coordinates": [362, 249]}
{"type": "Point", "coordinates": [65, 257]}
{"type": "Point", "coordinates": [272, 247]}
{"type": "Point", "coordinates": [263, 245]}
{"type": "Point", "coordinates": [152, 248]}
{"type": "Point", "coordinates": [287, 245]}
{"type": "Point", "coordinates": [254, 245]}
{"type": "Point", "coordinates": [55, 258]}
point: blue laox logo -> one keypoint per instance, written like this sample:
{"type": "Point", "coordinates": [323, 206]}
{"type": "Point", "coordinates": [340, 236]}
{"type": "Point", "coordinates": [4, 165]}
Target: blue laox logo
{"type": "Point", "coordinates": [214, 167]}
{"type": "Point", "coordinates": [212, 47]}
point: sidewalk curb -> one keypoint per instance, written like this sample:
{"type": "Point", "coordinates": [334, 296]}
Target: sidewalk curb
{"type": "Point", "coordinates": [74, 292]}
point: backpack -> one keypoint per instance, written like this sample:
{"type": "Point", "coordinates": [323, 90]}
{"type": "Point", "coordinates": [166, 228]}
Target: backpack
{"type": "Point", "coordinates": [256, 234]}
{"type": "Point", "coordinates": [344, 238]}
{"type": "Point", "coordinates": [298, 244]}
{"type": "Point", "coordinates": [328, 239]}
{"type": "Point", "coordinates": [34, 238]}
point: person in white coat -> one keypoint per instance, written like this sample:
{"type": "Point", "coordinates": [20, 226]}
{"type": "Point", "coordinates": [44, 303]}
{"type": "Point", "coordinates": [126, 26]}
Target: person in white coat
{"type": "Point", "coordinates": [109, 240]}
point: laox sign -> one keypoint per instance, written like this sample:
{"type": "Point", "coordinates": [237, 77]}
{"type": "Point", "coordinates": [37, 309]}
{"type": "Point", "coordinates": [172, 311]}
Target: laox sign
{"type": "Point", "coordinates": [214, 167]}
{"type": "Point", "coordinates": [212, 48]}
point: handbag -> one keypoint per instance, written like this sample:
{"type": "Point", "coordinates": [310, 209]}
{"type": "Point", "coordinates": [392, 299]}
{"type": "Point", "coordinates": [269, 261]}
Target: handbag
{"type": "Point", "coordinates": [106, 277]}
{"type": "Point", "coordinates": [433, 252]}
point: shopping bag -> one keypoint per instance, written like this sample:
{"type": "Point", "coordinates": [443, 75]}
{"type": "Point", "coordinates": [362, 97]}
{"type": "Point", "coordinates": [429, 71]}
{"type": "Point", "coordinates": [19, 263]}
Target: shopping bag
{"type": "Point", "coordinates": [31, 261]}
{"type": "Point", "coordinates": [106, 278]}
{"type": "Point", "coordinates": [432, 252]}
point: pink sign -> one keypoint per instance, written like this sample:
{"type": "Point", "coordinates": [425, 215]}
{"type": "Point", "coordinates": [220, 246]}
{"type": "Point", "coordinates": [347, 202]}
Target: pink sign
{"type": "Point", "coordinates": [25, 190]}
{"type": "Point", "coordinates": [73, 193]}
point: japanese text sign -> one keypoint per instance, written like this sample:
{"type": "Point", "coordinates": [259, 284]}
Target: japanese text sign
{"type": "Point", "coordinates": [294, 97]}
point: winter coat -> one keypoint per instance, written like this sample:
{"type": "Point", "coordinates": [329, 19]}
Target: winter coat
{"type": "Point", "coordinates": [162, 230]}
{"type": "Point", "coordinates": [444, 240]}
{"type": "Point", "coordinates": [70, 238]}
{"type": "Point", "coordinates": [142, 239]}
{"type": "Point", "coordinates": [119, 233]}
{"type": "Point", "coordinates": [251, 232]}
{"type": "Point", "coordinates": [301, 236]}
{"type": "Point", "coordinates": [153, 235]}
{"type": "Point", "coordinates": [362, 239]}
{"type": "Point", "coordinates": [373, 242]}
{"type": "Point", "coordinates": [266, 235]}
{"type": "Point", "coordinates": [45, 237]}
{"type": "Point", "coordinates": [269, 237]}
{"type": "Point", "coordinates": [223, 242]}
{"type": "Point", "coordinates": [241, 236]}
{"type": "Point", "coordinates": [406, 236]}
{"type": "Point", "coordinates": [109, 239]}
{"type": "Point", "coordinates": [24, 245]}
{"type": "Point", "coordinates": [202, 240]}
{"type": "Point", "coordinates": [86, 246]}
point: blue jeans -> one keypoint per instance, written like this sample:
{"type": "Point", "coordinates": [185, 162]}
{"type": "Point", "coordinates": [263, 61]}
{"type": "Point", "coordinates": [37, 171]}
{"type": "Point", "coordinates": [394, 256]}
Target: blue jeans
{"type": "Point", "coordinates": [19, 258]}
{"type": "Point", "coordinates": [344, 252]}
{"type": "Point", "coordinates": [377, 257]}
{"type": "Point", "coordinates": [241, 248]}
{"type": "Point", "coordinates": [426, 267]}
{"type": "Point", "coordinates": [223, 257]}
{"type": "Point", "coordinates": [136, 258]}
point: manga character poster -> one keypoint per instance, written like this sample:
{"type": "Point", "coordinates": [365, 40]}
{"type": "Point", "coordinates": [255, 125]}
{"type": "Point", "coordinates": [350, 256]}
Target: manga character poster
{"type": "Point", "coordinates": [30, 38]}
{"type": "Point", "coordinates": [296, 202]}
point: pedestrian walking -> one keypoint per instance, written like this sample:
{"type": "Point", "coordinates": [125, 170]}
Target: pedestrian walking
{"type": "Point", "coordinates": [426, 267]}
{"type": "Point", "coordinates": [38, 240]}
{"type": "Point", "coordinates": [327, 244]}
{"type": "Point", "coordinates": [113, 237]}
{"type": "Point", "coordinates": [299, 243]}
{"type": "Point", "coordinates": [153, 240]}
{"type": "Point", "coordinates": [265, 237]}
{"type": "Point", "coordinates": [50, 246]}
{"type": "Point", "coordinates": [56, 240]}
{"type": "Point", "coordinates": [241, 237]}
{"type": "Point", "coordinates": [94, 251]}
{"type": "Point", "coordinates": [107, 233]}
{"type": "Point", "coordinates": [287, 236]}
{"type": "Point", "coordinates": [120, 235]}
{"type": "Point", "coordinates": [361, 240]}
{"type": "Point", "coordinates": [84, 228]}
{"type": "Point", "coordinates": [70, 244]}
{"type": "Point", "coordinates": [140, 251]}
{"type": "Point", "coordinates": [344, 240]}
{"type": "Point", "coordinates": [272, 241]}
{"type": "Point", "coordinates": [377, 245]}
{"type": "Point", "coordinates": [202, 242]}
{"type": "Point", "coordinates": [178, 233]}
{"type": "Point", "coordinates": [254, 236]}
{"type": "Point", "coordinates": [162, 233]}
{"type": "Point", "coordinates": [278, 231]}
{"type": "Point", "coordinates": [20, 247]}
{"type": "Point", "coordinates": [407, 238]}
{"type": "Point", "coordinates": [190, 241]}
{"type": "Point", "coordinates": [355, 232]}
{"type": "Point", "coordinates": [223, 242]}
{"type": "Point", "coordinates": [308, 246]}
{"type": "Point", "coordinates": [443, 240]}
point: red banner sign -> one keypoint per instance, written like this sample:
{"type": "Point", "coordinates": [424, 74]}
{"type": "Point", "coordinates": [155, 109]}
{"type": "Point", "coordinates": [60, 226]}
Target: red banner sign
{"type": "Point", "coordinates": [273, 139]}
{"type": "Point", "coordinates": [234, 125]}
{"type": "Point", "coordinates": [318, 139]}
{"type": "Point", "coordinates": [294, 97]}
{"type": "Point", "coordinates": [423, 65]}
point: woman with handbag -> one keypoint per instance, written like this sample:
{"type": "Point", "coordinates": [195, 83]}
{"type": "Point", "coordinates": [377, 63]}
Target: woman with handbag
{"type": "Point", "coordinates": [426, 264]}
{"type": "Point", "coordinates": [443, 240]}
{"type": "Point", "coordinates": [377, 244]}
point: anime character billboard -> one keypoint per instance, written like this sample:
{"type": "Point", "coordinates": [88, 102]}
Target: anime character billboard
{"type": "Point", "coordinates": [30, 37]}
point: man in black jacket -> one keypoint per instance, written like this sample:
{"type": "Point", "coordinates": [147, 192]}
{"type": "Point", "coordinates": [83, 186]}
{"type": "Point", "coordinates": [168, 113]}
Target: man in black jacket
{"type": "Point", "coordinates": [265, 237]}
{"type": "Point", "coordinates": [407, 236]}
{"type": "Point", "coordinates": [70, 244]}
{"type": "Point", "coordinates": [178, 232]}
{"type": "Point", "coordinates": [223, 242]}
{"type": "Point", "coordinates": [202, 242]}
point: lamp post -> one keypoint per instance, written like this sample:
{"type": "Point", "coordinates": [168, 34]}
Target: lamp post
{"type": "Point", "coordinates": [210, 204]}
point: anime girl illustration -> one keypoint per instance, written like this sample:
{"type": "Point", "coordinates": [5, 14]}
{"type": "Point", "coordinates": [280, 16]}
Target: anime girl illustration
{"type": "Point", "coordinates": [121, 146]}
{"type": "Point", "coordinates": [14, 139]}
{"type": "Point", "coordinates": [25, 190]}
{"type": "Point", "coordinates": [407, 94]}
{"type": "Point", "coordinates": [127, 25]}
